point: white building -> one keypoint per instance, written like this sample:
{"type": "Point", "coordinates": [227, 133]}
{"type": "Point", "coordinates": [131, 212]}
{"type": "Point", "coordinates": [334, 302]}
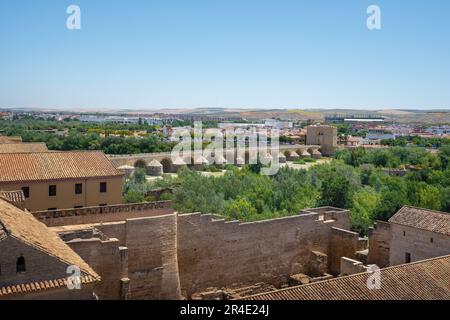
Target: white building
{"type": "Point", "coordinates": [379, 134]}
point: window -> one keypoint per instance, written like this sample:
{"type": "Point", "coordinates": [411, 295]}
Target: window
{"type": "Point", "coordinates": [26, 191]}
{"type": "Point", "coordinates": [102, 205]}
{"type": "Point", "coordinates": [431, 240]}
{"type": "Point", "coordinates": [78, 188]}
{"type": "Point", "coordinates": [102, 187]}
{"type": "Point", "coordinates": [78, 207]}
{"type": "Point", "coordinates": [407, 257]}
{"type": "Point", "coordinates": [20, 265]}
{"type": "Point", "coordinates": [51, 209]}
{"type": "Point", "coordinates": [52, 191]}
{"type": "Point", "coordinates": [404, 233]}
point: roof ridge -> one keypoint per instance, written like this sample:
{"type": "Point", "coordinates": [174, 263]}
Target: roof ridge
{"type": "Point", "coordinates": [423, 209]}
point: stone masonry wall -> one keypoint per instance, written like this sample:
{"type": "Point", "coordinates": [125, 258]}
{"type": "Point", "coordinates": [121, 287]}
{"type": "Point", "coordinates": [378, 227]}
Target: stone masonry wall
{"type": "Point", "coordinates": [152, 257]}
{"type": "Point", "coordinates": [215, 253]}
{"type": "Point", "coordinates": [105, 258]}
{"type": "Point", "coordinates": [343, 243]}
{"type": "Point", "coordinates": [420, 244]}
{"type": "Point", "coordinates": [379, 244]}
{"type": "Point", "coordinates": [39, 265]}
{"type": "Point", "coordinates": [103, 214]}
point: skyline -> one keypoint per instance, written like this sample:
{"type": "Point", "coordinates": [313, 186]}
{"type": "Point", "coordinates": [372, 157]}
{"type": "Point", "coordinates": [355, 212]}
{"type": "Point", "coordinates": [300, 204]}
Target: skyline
{"type": "Point", "coordinates": [144, 55]}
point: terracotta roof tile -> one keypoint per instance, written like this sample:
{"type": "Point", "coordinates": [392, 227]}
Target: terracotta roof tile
{"type": "Point", "coordinates": [434, 221]}
{"type": "Point", "coordinates": [21, 289]}
{"type": "Point", "coordinates": [23, 147]}
{"type": "Point", "coordinates": [14, 197]}
{"type": "Point", "coordinates": [422, 280]}
{"type": "Point", "coordinates": [24, 227]}
{"type": "Point", "coordinates": [55, 165]}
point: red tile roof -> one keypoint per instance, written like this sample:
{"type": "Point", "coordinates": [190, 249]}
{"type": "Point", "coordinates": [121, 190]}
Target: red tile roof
{"type": "Point", "coordinates": [434, 221]}
{"type": "Point", "coordinates": [15, 197]}
{"type": "Point", "coordinates": [55, 165]}
{"type": "Point", "coordinates": [22, 147]}
{"type": "Point", "coordinates": [422, 280]}
{"type": "Point", "coordinates": [22, 226]}
{"type": "Point", "coordinates": [21, 289]}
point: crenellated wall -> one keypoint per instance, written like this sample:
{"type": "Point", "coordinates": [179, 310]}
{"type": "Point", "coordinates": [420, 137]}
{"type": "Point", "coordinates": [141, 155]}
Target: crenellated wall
{"type": "Point", "coordinates": [173, 256]}
{"type": "Point", "coordinates": [246, 253]}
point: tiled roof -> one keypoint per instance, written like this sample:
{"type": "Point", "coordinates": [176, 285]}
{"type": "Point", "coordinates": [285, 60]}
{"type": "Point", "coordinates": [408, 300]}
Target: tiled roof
{"type": "Point", "coordinates": [55, 165]}
{"type": "Point", "coordinates": [15, 197]}
{"type": "Point", "coordinates": [22, 147]}
{"type": "Point", "coordinates": [21, 289]}
{"type": "Point", "coordinates": [24, 227]}
{"type": "Point", "coordinates": [434, 221]}
{"type": "Point", "coordinates": [6, 139]}
{"type": "Point", "coordinates": [422, 280]}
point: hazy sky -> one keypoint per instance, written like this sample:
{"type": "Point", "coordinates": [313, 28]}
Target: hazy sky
{"type": "Point", "coordinates": [225, 53]}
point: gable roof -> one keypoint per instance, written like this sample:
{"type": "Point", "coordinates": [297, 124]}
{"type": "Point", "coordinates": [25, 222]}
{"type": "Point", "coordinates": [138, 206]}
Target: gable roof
{"type": "Point", "coordinates": [422, 280]}
{"type": "Point", "coordinates": [22, 147]}
{"type": "Point", "coordinates": [55, 165]}
{"type": "Point", "coordinates": [25, 228]}
{"type": "Point", "coordinates": [434, 221]}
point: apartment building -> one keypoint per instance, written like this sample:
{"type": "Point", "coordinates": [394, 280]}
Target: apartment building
{"type": "Point", "coordinates": [60, 180]}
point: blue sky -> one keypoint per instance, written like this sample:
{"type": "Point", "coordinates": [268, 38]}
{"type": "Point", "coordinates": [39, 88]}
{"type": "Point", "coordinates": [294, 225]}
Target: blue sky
{"type": "Point", "coordinates": [225, 53]}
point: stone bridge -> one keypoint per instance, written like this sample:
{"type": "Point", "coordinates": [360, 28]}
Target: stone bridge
{"type": "Point", "coordinates": [285, 152]}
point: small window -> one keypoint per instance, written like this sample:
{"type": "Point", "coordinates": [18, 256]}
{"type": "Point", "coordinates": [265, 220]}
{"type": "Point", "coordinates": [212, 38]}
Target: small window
{"type": "Point", "coordinates": [407, 257]}
{"type": "Point", "coordinates": [404, 233]}
{"type": "Point", "coordinates": [102, 205]}
{"type": "Point", "coordinates": [26, 191]}
{"type": "Point", "coordinates": [78, 207]}
{"type": "Point", "coordinates": [103, 187]}
{"type": "Point", "coordinates": [78, 188]}
{"type": "Point", "coordinates": [431, 240]}
{"type": "Point", "coordinates": [51, 209]}
{"type": "Point", "coordinates": [20, 265]}
{"type": "Point", "coordinates": [52, 191]}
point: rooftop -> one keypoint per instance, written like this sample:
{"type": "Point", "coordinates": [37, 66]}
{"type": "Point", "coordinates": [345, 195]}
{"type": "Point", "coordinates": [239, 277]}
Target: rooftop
{"type": "Point", "coordinates": [422, 280]}
{"type": "Point", "coordinates": [15, 197]}
{"type": "Point", "coordinates": [55, 165]}
{"type": "Point", "coordinates": [434, 221]}
{"type": "Point", "coordinates": [22, 147]}
{"type": "Point", "coordinates": [24, 227]}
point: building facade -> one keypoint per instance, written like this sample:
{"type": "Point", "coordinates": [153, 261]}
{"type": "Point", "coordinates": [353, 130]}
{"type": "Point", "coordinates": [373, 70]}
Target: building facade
{"type": "Point", "coordinates": [59, 180]}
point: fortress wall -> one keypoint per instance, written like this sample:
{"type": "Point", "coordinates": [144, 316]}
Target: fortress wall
{"type": "Point", "coordinates": [152, 257]}
{"type": "Point", "coordinates": [103, 214]}
{"type": "Point", "coordinates": [115, 230]}
{"type": "Point", "coordinates": [343, 243]}
{"type": "Point", "coordinates": [105, 258]}
{"type": "Point", "coordinates": [379, 244]}
{"type": "Point", "coordinates": [215, 253]}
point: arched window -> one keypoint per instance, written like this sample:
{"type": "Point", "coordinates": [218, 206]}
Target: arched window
{"type": "Point", "coordinates": [20, 265]}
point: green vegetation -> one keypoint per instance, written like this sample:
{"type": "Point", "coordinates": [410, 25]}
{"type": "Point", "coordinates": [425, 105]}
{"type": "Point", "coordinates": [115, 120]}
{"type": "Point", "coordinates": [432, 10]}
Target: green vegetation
{"type": "Point", "coordinates": [354, 180]}
{"type": "Point", "coordinates": [416, 141]}
{"type": "Point", "coordinates": [74, 135]}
